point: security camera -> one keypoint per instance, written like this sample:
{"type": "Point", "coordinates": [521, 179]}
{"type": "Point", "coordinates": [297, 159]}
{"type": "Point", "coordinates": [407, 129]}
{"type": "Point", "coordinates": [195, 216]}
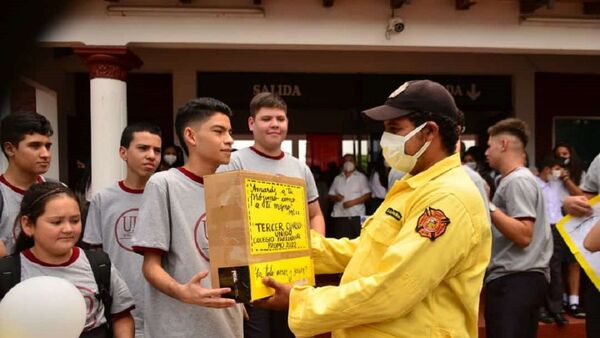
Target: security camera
{"type": "Point", "coordinates": [395, 25]}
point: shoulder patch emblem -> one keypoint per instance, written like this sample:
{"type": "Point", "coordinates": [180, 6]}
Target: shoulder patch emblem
{"type": "Point", "coordinates": [393, 213]}
{"type": "Point", "coordinates": [432, 223]}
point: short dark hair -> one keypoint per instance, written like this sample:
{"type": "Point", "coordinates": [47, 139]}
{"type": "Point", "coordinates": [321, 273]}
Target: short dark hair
{"type": "Point", "coordinates": [127, 134]}
{"type": "Point", "coordinates": [197, 110]}
{"type": "Point", "coordinates": [448, 128]}
{"type": "Point", "coordinates": [549, 161]}
{"type": "Point", "coordinates": [266, 100]}
{"type": "Point", "coordinates": [33, 206]}
{"type": "Point", "coordinates": [16, 125]}
{"type": "Point", "coordinates": [512, 126]}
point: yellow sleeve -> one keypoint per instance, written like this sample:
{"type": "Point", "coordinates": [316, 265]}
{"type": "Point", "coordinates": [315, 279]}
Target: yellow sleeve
{"type": "Point", "coordinates": [331, 255]}
{"type": "Point", "coordinates": [397, 268]}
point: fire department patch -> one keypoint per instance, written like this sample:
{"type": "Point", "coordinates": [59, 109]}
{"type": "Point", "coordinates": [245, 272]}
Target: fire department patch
{"type": "Point", "coordinates": [432, 223]}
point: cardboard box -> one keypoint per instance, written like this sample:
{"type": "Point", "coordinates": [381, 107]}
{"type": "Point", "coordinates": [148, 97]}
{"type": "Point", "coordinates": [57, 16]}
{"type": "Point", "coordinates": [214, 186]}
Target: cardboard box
{"type": "Point", "coordinates": [257, 226]}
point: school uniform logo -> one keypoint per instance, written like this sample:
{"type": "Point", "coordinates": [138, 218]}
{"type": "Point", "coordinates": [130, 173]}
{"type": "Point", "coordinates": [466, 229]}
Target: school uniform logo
{"type": "Point", "coordinates": [90, 305]}
{"type": "Point", "coordinates": [432, 223]}
{"type": "Point", "coordinates": [125, 227]}
{"type": "Point", "coordinates": [201, 237]}
{"type": "Point", "coordinates": [395, 214]}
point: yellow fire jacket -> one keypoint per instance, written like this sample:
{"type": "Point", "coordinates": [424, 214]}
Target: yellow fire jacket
{"type": "Point", "coordinates": [415, 271]}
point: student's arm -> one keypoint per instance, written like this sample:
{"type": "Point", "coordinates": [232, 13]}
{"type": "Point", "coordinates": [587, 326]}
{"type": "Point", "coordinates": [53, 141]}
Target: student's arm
{"type": "Point", "coordinates": [363, 186]}
{"type": "Point", "coordinates": [2, 249]}
{"type": "Point", "coordinates": [517, 219]}
{"type": "Point", "coordinates": [571, 187]}
{"type": "Point", "coordinates": [191, 292]}
{"type": "Point", "coordinates": [577, 206]}
{"type": "Point", "coordinates": [335, 198]}
{"type": "Point", "coordinates": [592, 239]}
{"type": "Point", "coordinates": [123, 326]}
{"type": "Point", "coordinates": [519, 231]}
{"type": "Point", "coordinates": [317, 221]}
{"type": "Point", "coordinates": [360, 200]}
{"type": "Point", "coordinates": [333, 194]}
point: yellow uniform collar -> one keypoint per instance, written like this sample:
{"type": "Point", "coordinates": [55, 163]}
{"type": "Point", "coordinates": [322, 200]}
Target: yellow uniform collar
{"type": "Point", "coordinates": [423, 177]}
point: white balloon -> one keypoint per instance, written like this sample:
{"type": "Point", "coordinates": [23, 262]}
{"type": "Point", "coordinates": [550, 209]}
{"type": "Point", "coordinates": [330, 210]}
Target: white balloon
{"type": "Point", "coordinates": [44, 306]}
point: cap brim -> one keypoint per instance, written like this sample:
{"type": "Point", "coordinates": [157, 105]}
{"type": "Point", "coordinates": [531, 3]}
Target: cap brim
{"type": "Point", "coordinates": [385, 112]}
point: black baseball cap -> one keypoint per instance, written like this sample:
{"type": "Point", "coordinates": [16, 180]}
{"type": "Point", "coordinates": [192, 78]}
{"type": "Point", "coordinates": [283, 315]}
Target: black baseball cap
{"type": "Point", "coordinates": [416, 96]}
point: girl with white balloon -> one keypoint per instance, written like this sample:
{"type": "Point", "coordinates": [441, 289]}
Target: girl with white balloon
{"type": "Point", "coordinates": [51, 226]}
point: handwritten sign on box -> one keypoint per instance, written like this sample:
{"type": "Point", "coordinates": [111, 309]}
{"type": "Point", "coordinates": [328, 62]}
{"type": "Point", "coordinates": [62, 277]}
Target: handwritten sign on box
{"type": "Point", "coordinates": [276, 216]}
{"type": "Point", "coordinates": [257, 227]}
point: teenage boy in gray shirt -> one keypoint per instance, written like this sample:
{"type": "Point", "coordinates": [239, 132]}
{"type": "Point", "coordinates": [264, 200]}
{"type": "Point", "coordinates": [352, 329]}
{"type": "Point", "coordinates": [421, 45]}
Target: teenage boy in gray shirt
{"type": "Point", "coordinates": [171, 233]}
{"type": "Point", "coordinates": [269, 125]}
{"type": "Point", "coordinates": [25, 138]}
{"type": "Point", "coordinates": [518, 274]}
{"type": "Point", "coordinates": [111, 219]}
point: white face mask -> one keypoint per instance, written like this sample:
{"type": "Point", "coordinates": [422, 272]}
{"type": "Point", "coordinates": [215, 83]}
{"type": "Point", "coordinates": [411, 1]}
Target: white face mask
{"type": "Point", "coordinates": [472, 165]}
{"type": "Point", "coordinates": [349, 167]}
{"type": "Point", "coordinates": [170, 159]}
{"type": "Point", "coordinates": [556, 174]}
{"type": "Point", "coordinates": [394, 152]}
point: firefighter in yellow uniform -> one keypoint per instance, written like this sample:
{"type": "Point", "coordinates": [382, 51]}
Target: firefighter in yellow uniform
{"type": "Point", "coordinates": [417, 268]}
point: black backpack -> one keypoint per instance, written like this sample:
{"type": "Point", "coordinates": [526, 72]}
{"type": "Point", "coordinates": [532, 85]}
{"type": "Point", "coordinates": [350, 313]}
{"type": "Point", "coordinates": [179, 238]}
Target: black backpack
{"type": "Point", "coordinates": [10, 275]}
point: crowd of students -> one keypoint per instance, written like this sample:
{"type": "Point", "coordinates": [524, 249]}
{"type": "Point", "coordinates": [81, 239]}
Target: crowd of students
{"type": "Point", "coordinates": [152, 226]}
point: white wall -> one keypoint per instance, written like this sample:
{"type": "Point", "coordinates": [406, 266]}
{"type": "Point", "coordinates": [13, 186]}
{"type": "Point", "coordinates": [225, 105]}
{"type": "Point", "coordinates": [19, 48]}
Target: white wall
{"type": "Point", "coordinates": [46, 103]}
{"type": "Point", "coordinates": [431, 25]}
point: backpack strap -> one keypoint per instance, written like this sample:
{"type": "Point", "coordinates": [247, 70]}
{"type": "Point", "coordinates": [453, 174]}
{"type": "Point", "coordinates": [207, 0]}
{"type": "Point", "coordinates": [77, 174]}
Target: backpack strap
{"type": "Point", "coordinates": [100, 264]}
{"type": "Point", "coordinates": [10, 273]}
{"type": "Point", "coordinates": [1, 203]}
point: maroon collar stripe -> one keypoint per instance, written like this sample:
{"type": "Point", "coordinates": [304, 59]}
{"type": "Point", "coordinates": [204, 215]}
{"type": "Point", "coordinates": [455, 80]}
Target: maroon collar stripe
{"type": "Point", "coordinates": [191, 175]}
{"type": "Point", "coordinates": [30, 256]}
{"type": "Point", "coordinates": [130, 190]}
{"type": "Point", "coordinates": [260, 153]}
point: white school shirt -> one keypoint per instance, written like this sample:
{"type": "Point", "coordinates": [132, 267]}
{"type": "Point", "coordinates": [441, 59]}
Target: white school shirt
{"type": "Point", "coordinates": [351, 187]}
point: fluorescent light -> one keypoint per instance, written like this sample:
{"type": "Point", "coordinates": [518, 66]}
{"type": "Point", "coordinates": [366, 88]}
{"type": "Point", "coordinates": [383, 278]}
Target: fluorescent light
{"type": "Point", "coordinates": [234, 12]}
{"type": "Point", "coordinates": [566, 21]}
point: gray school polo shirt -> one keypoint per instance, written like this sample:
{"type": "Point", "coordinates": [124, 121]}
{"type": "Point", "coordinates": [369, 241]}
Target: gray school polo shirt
{"type": "Point", "coordinates": [172, 220]}
{"type": "Point", "coordinates": [481, 187]}
{"type": "Point", "coordinates": [12, 197]}
{"type": "Point", "coordinates": [591, 180]}
{"type": "Point", "coordinates": [111, 222]}
{"type": "Point", "coordinates": [519, 196]}
{"type": "Point", "coordinates": [78, 271]}
{"type": "Point", "coordinates": [286, 165]}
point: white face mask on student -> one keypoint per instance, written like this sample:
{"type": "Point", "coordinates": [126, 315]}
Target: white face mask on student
{"type": "Point", "coordinates": [556, 173]}
{"type": "Point", "coordinates": [472, 165]}
{"type": "Point", "coordinates": [349, 167]}
{"type": "Point", "coordinates": [170, 159]}
{"type": "Point", "coordinates": [394, 152]}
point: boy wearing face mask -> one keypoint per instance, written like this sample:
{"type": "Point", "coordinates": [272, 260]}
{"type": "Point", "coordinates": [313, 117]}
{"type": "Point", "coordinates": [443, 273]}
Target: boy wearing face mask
{"type": "Point", "coordinates": [554, 192]}
{"type": "Point", "coordinates": [112, 215]}
{"type": "Point", "coordinates": [349, 190]}
{"type": "Point", "coordinates": [417, 268]}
